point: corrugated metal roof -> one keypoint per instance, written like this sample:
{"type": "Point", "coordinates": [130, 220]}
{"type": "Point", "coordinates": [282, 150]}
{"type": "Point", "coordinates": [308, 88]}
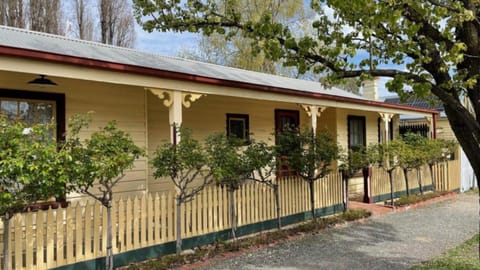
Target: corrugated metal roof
{"type": "Point", "coordinates": [20, 38]}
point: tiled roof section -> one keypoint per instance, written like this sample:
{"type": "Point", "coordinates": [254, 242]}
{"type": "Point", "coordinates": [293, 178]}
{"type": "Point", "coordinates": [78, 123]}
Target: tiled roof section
{"type": "Point", "coordinates": [42, 42]}
{"type": "Point", "coordinates": [431, 103]}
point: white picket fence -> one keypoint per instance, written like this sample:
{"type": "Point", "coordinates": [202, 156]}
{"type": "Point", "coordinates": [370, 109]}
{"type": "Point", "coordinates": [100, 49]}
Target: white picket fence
{"type": "Point", "coordinates": [65, 236]}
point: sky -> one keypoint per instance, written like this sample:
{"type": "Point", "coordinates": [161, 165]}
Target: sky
{"type": "Point", "coordinates": [171, 44]}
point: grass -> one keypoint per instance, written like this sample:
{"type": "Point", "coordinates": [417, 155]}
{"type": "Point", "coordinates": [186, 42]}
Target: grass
{"type": "Point", "coordinates": [262, 239]}
{"type": "Point", "coordinates": [463, 257]}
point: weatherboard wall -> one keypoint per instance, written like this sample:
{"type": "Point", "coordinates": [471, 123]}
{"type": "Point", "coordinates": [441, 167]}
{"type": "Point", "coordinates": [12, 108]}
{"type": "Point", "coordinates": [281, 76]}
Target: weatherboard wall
{"type": "Point", "coordinates": [124, 104]}
{"type": "Point", "coordinates": [208, 115]}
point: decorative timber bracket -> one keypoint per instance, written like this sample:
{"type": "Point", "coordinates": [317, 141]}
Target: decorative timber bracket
{"type": "Point", "coordinates": [313, 111]}
{"type": "Point", "coordinates": [168, 96]}
{"type": "Point", "coordinates": [175, 101]}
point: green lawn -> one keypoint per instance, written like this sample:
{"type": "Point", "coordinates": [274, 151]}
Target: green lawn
{"type": "Point", "coordinates": [463, 257]}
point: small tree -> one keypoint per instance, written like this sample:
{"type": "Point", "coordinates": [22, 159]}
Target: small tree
{"type": "Point", "coordinates": [100, 161]}
{"type": "Point", "coordinates": [351, 164]}
{"type": "Point", "coordinates": [412, 156]}
{"type": "Point", "coordinates": [261, 160]}
{"type": "Point", "coordinates": [183, 163]}
{"type": "Point", "coordinates": [310, 155]}
{"type": "Point", "coordinates": [229, 168]}
{"type": "Point", "coordinates": [385, 155]}
{"type": "Point", "coordinates": [437, 151]}
{"type": "Point", "coordinates": [29, 170]}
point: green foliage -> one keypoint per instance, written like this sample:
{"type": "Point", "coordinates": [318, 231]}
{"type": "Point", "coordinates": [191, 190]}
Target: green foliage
{"type": "Point", "coordinates": [228, 165]}
{"type": "Point", "coordinates": [30, 165]}
{"type": "Point", "coordinates": [183, 163]}
{"type": "Point", "coordinates": [232, 163]}
{"type": "Point", "coordinates": [261, 160]}
{"type": "Point", "coordinates": [236, 51]}
{"type": "Point", "coordinates": [310, 156]}
{"type": "Point", "coordinates": [329, 47]}
{"type": "Point", "coordinates": [384, 155]}
{"type": "Point", "coordinates": [416, 198]}
{"type": "Point", "coordinates": [411, 153]}
{"type": "Point", "coordinates": [102, 159]}
{"type": "Point", "coordinates": [438, 150]}
{"type": "Point", "coordinates": [354, 162]}
{"type": "Point", "coordinates": [414, 150]}
{"type": "Point", "coordinates": [354, 214]}
{"type": "Point", "coordinates": [171, 160]}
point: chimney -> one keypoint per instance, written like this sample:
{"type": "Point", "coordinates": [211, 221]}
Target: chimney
{"type": "Point", "coordinates": [370, 89]}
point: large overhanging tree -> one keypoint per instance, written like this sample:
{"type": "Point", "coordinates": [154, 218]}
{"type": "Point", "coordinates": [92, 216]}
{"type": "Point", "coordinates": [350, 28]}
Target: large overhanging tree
{"type": "Point", "coordinates": [431, 45]}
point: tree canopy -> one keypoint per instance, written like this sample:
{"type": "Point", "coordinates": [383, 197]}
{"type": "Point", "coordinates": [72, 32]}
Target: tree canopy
{"type": "Point", "coordinates": [432, 46]}
{"type": "Point", "coordinates": [309, 154]}
{"type": "Point", "coordinates": [30, 165]}
{"type": "Point", "coordinates": [237, 52]}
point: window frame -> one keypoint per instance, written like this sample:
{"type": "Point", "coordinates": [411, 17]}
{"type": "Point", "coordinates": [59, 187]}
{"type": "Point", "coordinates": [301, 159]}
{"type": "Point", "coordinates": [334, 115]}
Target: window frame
{"type": "Point", "coordinates": [57, 98]}
{"type": "Point", "coordinates": [246, 119]}
{"type": "Point", "coordinates": [364, 129]}
{"type": "Point", "coordinates": [281, 112]}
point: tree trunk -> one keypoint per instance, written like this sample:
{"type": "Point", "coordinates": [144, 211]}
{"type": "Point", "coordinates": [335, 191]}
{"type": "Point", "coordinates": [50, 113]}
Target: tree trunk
{"type": "Point", "coordinates": [6, 240]}
{"type": "Point", "coordinates": [233, 214]}
{"type": "Point", "coordinates": [390, 178]}
{"type": "Point", "coordinates": [109, 258]}
{"type": "Point", "coordinates": [179, 226]}
{"type": "Point", "coordinates": [434, 186]}
{"type": "Point", "coordinates": [345, 191]}
{"type": "Point", "coordinates": [405, 173]}
{"type": "Point", "coordinates": [419, 177]}
{"type": "Point", "coordinates": [312, 199]}
{"type": "Point", "coordinates": [277, 206]}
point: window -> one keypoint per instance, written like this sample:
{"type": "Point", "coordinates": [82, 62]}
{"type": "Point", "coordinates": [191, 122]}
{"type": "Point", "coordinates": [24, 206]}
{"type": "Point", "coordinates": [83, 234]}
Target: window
{"type": "Point", "coordinates": [28, 111]}
{"type": "Point", "coordinates": [356, 133]}
{"type": "Point", "coordinates": [238, 126]}
{"type": "Point", "coordinates": [34, 107]}
{"type": "Point", "coordinates": [286, 119]}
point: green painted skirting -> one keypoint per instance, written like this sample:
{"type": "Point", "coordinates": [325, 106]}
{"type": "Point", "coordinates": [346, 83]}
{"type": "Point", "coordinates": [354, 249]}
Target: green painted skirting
{"type": "Point", "coordinates": [151, 252]}
{"type": "Point", "coordinates": [398, 194]}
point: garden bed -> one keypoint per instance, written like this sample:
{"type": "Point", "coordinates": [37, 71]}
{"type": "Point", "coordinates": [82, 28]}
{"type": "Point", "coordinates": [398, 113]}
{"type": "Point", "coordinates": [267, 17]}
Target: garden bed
{"type": "Point", "coordinates": [415, 200]}
{"type": "Point", "coordinates": [220, 249]}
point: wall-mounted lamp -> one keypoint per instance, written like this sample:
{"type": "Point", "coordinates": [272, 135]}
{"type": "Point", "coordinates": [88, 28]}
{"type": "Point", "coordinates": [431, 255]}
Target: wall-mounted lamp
{"type": "Point", "coordinates": [42, 81]}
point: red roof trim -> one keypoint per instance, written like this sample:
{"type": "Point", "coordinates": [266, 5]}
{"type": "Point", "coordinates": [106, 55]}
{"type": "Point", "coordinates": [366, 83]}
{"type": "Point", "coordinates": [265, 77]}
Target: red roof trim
{"type": "Point", "coordinates": [93, 63]}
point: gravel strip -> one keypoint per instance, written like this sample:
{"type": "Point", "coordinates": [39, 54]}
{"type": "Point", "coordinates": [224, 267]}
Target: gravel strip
{"type": "Point", "coordinates": [392, 241]}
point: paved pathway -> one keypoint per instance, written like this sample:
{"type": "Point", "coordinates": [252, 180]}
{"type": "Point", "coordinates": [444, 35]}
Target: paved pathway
{"type": "Point", "coordinates": [392, 241]}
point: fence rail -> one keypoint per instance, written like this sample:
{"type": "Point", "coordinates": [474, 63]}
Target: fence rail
{"type": "Point", "coordinates": [59, 237]}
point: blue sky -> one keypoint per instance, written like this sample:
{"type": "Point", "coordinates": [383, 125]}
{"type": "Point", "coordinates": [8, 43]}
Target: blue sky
{"type": "Point", "coordinates": [164, 43]}
{"type": "Point", "coordinates": [171, 44]}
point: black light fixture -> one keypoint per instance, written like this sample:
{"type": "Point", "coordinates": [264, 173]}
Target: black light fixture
{"type": "Point", "coordinates": [42, 81]}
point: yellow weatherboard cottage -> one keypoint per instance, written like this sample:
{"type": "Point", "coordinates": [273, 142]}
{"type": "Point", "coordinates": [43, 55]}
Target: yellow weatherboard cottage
{"type": "Point", "coordinates": [44, 76]}
{"type": "Point", "coordinates": [146, 93]}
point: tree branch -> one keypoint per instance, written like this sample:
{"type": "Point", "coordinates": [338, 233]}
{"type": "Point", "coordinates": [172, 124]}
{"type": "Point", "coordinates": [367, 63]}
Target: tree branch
{"type": "Point", "coordinates": [426, 28]}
